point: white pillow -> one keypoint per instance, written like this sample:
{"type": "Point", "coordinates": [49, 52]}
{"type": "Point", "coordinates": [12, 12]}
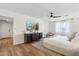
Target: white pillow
{"type": "Point", "coordinates": [71, 35]}
{"type": "Point", "coordinates": [76, 39]}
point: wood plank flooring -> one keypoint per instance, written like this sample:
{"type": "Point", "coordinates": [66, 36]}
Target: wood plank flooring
{"type": "Point", "coordinates": [7, 49]}
{"type": "Point", "coordinates": [6, 42]}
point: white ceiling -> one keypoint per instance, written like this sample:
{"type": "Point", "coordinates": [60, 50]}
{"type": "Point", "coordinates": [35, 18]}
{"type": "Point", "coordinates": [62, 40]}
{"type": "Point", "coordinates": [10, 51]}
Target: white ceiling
{"type": "Point", "coordinates": [40, 9]}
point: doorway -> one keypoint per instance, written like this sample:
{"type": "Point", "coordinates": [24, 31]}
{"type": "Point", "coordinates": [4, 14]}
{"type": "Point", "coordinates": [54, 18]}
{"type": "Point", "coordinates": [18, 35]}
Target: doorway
{"type": "Point", "coordinates": [6, 33]}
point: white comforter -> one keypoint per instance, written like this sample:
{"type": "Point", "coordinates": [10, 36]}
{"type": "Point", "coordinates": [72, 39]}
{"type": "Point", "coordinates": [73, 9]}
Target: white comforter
{"type": "Point", "coordinates": [57, 43]}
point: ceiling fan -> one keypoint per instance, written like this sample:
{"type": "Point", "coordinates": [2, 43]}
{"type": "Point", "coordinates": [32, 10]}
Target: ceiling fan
{"type": "Point", "coordinates": [52, 16]}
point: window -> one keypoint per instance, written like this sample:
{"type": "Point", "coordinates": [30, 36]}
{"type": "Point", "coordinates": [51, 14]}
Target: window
{"type": "Point", "coordinates": [62, 27]}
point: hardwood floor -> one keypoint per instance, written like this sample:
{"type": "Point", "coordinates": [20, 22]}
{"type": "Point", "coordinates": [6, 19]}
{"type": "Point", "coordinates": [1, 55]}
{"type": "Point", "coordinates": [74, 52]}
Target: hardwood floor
{"type": "Point", "coordinates": [6, 42]}
{"type": "Point", "coordinates": [7, 49]}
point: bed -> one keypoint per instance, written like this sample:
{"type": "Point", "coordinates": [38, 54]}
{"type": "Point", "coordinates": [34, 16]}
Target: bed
{"type": "Point", "coordinates": [59, 44]}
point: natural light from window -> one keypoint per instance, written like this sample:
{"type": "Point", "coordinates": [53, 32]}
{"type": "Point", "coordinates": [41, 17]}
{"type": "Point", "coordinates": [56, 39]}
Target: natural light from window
{"type": "Point", "coordinates": [62, 27]}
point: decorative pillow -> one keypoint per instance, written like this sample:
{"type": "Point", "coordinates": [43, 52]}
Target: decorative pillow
{"type": "Point", "coordinates": [71, 36]}
{"type": "Point", "coordinates": [49, 34]}
{"type": "Point", "coordinates": [76, 39]}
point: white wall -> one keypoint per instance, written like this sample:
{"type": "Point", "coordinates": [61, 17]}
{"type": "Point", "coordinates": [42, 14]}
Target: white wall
{"type": "Point", "coordinates": [46, 27]}
{"type": "Point", "coordinates": [3, 29]}
{"type": "Point", "coordinates": [45, 21]}
{"type": "Point", "coordinates": [52, 27]}
{"type": "Point", "coordinates": [75, 25]}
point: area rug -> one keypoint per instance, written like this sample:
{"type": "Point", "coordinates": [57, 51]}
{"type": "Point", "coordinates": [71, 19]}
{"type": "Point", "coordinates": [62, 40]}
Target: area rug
{"type": "Point", "coordinates": [40, 46]}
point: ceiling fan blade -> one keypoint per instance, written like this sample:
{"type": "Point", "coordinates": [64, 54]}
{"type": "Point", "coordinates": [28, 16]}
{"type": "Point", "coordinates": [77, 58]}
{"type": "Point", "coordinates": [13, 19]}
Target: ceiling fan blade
{"type": "Point", "coordinates": [52, 15]}
{"type": "Point", "coordinates": [56, 16]}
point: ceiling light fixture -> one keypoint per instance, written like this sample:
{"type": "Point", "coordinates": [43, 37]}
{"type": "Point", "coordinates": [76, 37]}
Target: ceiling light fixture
{"type": "Point", "coordinates": [52, 16]}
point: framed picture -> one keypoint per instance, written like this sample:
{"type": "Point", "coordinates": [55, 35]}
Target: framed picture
{"type": "Point", "coordinates": [32, 26]}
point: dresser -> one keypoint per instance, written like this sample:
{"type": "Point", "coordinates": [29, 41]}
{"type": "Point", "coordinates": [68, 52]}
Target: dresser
{"type": "Point", "coordinates": [31, 37]}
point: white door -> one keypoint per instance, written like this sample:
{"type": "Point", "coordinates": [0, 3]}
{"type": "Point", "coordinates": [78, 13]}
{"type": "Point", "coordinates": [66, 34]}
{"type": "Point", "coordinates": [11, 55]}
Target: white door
{"type": "Point", "coordinates": [5, 29]}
